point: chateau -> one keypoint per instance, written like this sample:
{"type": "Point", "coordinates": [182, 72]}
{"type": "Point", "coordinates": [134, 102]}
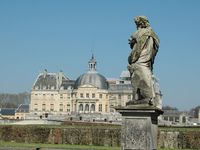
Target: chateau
{"type": "Point", "coordinates": [54, 94]}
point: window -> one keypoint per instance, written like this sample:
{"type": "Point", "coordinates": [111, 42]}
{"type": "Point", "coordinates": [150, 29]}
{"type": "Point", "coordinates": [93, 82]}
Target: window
{"type": "Point", "coordinates": [183, 119]}
{"type": "Point", "coordinates": [43, 107]}
{"type": "Point", "coordinates": [81, 107]}
{"type": "Point", "coordinates": [68, 107]}
{"type": "Point", "coordinates": [93, 95]}
{"type": "Point", "coordinates": [52, 107]}
{"type": "Point", "coordinates": [92, 107]}
{"type": "Point", "coordinates": [86, 107]}
{"type": "Point", "coordinates": [176, 119]}
{"type": "Point", "coordinates": [106, 108]}
{"type": "Point", "coordinates": [129, 97]}
{"type": "Point", "coordinates": [61, 107]}
{"type": "Point", "coordinates": [87, 95]}
{"type": "Point", "coordinates": [61, 96]}
{"type": "Point", "coordinates": [171, 118]}
{"type": "Point", "coordinates": [35, 107]}
{"type": "Point", "coordinates": [100, 107]}
{"type": "Point", "coordinates": [81, 95]}
{"type": "Point", "coordinates": [166, 118]}
{"type": "Point", "coordinates": [100, 95]}
{"type": "Point", "coordinates": [119, 96]}
{"type": "Point", "coordinates": [122, 82]}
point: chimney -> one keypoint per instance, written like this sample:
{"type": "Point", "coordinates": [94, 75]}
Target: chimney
{"type": "Point", "coordinates": [59, 79]}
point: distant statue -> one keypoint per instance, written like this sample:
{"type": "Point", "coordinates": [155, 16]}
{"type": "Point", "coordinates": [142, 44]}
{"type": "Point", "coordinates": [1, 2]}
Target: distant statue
{"type": "Point", "coordinates": [144, 44]}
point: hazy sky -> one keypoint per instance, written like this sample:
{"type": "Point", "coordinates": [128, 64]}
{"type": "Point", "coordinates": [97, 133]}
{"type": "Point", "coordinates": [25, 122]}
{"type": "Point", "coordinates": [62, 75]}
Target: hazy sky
{"type": "Point", "coordinates": [62, 34]}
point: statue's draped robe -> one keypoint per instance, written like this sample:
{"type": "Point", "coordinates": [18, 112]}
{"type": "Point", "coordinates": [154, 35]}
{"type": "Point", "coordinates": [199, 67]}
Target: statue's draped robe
{"type": "Point", "coordinates": [141, 62]}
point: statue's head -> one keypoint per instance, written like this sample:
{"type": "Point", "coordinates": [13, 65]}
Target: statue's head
{"type": "Point", "coordinates": [141, 22]}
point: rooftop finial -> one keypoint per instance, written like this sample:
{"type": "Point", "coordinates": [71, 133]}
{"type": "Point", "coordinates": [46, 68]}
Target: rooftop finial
{"type": "Point", "coordinates": [45, 73]}
{"type": "Point", "coordinates": [92, 63]}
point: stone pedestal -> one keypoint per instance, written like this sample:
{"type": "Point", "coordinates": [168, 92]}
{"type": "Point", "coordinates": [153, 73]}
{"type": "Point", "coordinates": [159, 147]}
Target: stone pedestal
{"type": "Point", "coordinates": [139, 127]}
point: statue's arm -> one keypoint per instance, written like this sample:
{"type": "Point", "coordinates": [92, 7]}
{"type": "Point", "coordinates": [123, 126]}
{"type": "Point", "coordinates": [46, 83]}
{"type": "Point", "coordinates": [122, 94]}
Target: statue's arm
{"type": "Point", "coordinates": [137, 49]}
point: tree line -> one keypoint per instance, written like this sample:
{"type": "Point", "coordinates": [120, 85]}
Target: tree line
{"type": "Point", "coordinates": [8, 100]}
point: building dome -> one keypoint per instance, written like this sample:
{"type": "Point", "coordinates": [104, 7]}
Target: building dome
{"type": "Point", "coordinates": [125, 75]}
{"type": "Point", "coordinates": [92, 77]}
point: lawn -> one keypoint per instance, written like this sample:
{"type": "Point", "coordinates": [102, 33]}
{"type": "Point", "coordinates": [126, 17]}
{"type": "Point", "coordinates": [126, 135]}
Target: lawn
{"type": "Point", "coordinates": [61, 146]}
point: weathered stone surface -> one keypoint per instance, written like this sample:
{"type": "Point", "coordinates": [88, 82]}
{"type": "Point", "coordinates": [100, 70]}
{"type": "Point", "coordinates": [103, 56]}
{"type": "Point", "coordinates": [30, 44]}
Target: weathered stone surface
{"type": "Point", "coordinates": [144, 44]}
{"type": "Point", "coordinates": [139, 127]}
{"type": "Point", "coordinates": [134, 133]}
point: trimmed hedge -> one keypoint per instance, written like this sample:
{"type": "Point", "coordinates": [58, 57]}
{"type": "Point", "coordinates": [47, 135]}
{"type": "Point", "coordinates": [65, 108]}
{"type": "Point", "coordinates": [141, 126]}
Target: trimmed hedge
{"type": "Point", "coordinates": [94, 134]}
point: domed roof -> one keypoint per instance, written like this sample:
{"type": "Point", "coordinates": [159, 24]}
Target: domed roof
{"type": "Point", "coordinates": [92, 77]}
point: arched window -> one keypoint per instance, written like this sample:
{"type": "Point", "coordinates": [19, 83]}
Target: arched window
{"type": "Point", "coordinates": [92, 107]}
{"type": "Point", "coordinates": [86, 107]}
{"type": "Point", "coordinates": [184, 119]}
{"type": "Point", "coordinates": [81, 107]}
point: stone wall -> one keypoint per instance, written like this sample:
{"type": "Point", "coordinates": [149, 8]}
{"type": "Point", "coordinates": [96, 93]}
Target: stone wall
{"type": "Point", "coordinates": [104, 135]}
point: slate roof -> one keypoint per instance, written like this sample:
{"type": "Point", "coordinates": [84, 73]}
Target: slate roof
{"type": "Point", "coordinates": [52, 81]}
{"type": "Point", "coordinates": [92, 78]}
{"type": "Point", "coordinates": [7, 111]}
{"type": "Point", "coordinates": [47, 81]}
{"type": "Point", "coordinates": [23, 108]}
{"type": "Point", "coordinates": [120, 87]}
{"type": "Point", "coordinates": [68, 84]}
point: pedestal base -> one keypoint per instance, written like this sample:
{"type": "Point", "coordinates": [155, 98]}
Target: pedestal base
{"type": "Point", "coordinates": [139, 127]}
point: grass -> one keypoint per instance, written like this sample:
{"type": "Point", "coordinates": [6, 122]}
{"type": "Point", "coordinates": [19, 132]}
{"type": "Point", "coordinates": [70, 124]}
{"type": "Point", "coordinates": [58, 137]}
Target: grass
{"type": "Point", "coordinates": [177, 128]}
{"type": "Point", "coordinates": [59, 146]}
{"type": "Point", "coordinates": [176, 149]}
{"type": "Point", "coordinates": [62, 146]}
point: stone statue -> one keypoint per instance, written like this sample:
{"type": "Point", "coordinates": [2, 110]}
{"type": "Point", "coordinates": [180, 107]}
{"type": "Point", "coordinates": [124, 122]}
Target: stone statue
{"type": "Point", "coordinates": [144, 44]}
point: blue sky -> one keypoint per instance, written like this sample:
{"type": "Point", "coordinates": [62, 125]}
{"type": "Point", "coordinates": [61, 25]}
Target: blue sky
{"type": "Point", "coordinates": [62, 34]}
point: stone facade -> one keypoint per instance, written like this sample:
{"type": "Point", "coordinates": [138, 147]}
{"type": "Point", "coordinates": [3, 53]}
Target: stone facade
{"type": "Point", "coordinates": [91, 93]}
{"type": "Point", "coordinates": [174, 116]}
{"type": "Point", "coordinates": [22, 111]}
{"type": "Point", "coordinates": [51, 94]}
